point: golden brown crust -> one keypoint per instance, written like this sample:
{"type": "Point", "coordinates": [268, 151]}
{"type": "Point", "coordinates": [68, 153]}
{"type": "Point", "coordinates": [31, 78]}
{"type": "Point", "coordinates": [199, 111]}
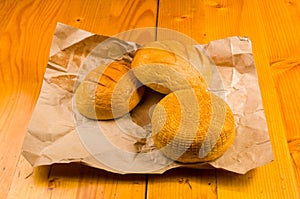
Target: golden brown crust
{"type": "Point", "coordinates": [159, 66]}
{"type": "Point", "coordinates": [108, 92]}
{"type": "Point", "coordinates": [178, 141]}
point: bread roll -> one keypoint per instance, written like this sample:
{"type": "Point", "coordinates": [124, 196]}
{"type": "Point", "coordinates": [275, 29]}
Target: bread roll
{"type": "Point", "coordinates": [166, 66]}
{"type": "Point", "coordinates": [108, 92]}
{"type": "Point", "coordinates": [192, 126]}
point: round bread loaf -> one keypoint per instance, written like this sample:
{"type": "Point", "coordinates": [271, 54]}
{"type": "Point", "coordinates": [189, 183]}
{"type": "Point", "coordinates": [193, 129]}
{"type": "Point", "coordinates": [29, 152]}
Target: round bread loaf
{"type": "Point", "coordinates": [192, 126]}
{"type": "Point", "coordinates": [166, 66]}
{"type": "Point", "coordinates": [108, 92]}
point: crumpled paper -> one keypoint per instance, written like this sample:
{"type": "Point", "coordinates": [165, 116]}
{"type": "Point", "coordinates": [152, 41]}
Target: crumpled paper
{"type": "Point", "coordinates": [57, 133]}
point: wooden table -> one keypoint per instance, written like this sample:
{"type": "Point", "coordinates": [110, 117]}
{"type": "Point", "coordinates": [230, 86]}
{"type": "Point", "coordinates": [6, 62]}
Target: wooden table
{"type": "Point", "coordinates": [26, 33]}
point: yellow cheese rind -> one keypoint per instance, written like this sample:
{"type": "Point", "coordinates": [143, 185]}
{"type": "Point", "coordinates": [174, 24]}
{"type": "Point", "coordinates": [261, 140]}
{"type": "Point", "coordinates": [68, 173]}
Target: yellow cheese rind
{"type": "Point", "coordinates": [215, 129]}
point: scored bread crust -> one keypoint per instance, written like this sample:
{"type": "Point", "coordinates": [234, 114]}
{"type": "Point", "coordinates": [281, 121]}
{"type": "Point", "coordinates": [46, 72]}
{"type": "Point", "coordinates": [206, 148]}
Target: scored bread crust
{"type": "Point", "coordinates": [200, 138]}
{"type": "Point", "coordinates": [108, 91]}
{"type": "Point", "coordinates": [166, 66]}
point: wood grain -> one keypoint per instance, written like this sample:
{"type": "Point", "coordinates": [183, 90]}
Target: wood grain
{"type": "Point", "coordinates": [73, 181]}
{"type": "Point", "coordinates": [30, 182]}
{"type": "Point", "coordinates": [26, 29]}
{"type": "Point", "coordinates": [23, 60]}
{"type": "Point", "coordinates": [202, 20]}
{"type": "Point", "coordinates": [79, 181]}
{"type": "Point", "coordinates": [285, 67]}
{"type": "Point", "coordinates": [110, 17]}
{"type": "Point", "coordinates": [183, 183]}
{"type": "Point", "coordinates": [282, 34]}
{"type": "Point", "coordinates": [216, 19]}
{"type": "Point", "coordinates": [286, 75]}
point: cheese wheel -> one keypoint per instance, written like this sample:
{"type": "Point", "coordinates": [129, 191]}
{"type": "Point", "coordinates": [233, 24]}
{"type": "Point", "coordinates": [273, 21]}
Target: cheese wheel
{"type": "Point", "coordinates": [192, 126]}
{"type": "Point", "coordinates": [108, 92]}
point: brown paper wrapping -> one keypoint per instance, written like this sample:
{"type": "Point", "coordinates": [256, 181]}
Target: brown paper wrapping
{"type": "Point", "coordinates": [57, 133]}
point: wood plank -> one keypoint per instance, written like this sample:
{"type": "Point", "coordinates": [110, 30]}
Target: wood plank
{"type": "Point", "coordinates": [279, 173]}
{"type": "Point", "coordinates": [24, 38]}
{"type": "Point", "coordinates": [73, 181]}
{"type": "Point", "coordinates": [183, 183]}
{"type": "Point", "coordinates": [30, 182]}
{"type": "Point", "coordinates": [79, 181]}
{"type": "Point", "coordinates": [283, 40]}
{"type": "Point", "coordinates": [202, 20]}
{"type": "Point", "coordinates": [294, 147]}
{"type": "Point", "coordinates": [27, 28]}
{"type": "Point", "coordinates": [26, 33]}
{"type": "Point", "coordinates": [281, 24]}
{"type": "Point", "coordinates": [264, 182]}
{"type": "Point", "coordinates": [110, 17]}
{"type": "Point", "coordinates": [286, 75]}
{"type": "Point", "coordinates": [208, 20]}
